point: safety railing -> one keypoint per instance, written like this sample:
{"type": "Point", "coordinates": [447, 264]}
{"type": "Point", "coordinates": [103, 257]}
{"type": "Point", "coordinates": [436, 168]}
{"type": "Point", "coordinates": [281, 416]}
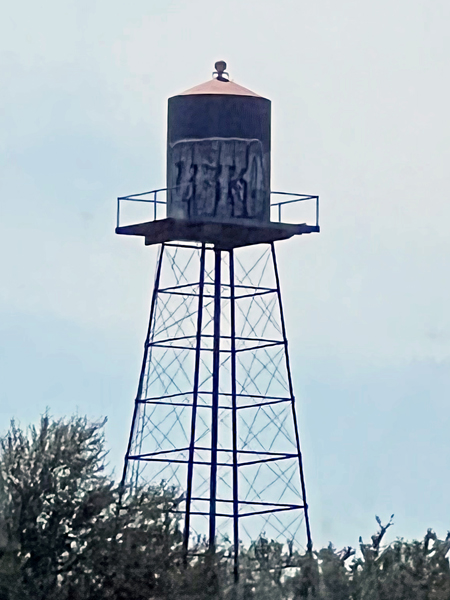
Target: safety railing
{"type": "Point", "coordinates": [152, 206]}
{"type": "Point", "coordinates": [280, 206]}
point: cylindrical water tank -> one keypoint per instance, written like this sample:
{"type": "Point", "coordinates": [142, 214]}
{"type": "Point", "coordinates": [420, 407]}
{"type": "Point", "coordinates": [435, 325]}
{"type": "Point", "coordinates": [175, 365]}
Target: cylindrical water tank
{"type": "Point", "coordinates": [218, 153]}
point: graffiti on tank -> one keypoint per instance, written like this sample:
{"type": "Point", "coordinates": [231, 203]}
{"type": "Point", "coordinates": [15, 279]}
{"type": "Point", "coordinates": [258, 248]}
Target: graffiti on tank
{"type": "Point", "coordinates": [218, 178]}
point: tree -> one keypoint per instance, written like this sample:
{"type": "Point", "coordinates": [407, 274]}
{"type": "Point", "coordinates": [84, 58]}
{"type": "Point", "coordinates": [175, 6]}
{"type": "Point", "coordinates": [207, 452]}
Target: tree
{"type": "Point", "coordinates": [68, 532]}
{"type": "Point", "coordinates": [403, 570]}
{"type": "Point", "coordinates": [65, 530]}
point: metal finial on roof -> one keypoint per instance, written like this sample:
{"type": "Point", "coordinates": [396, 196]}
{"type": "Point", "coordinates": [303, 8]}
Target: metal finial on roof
{"type": "Point", "coordinates": [220, 67]}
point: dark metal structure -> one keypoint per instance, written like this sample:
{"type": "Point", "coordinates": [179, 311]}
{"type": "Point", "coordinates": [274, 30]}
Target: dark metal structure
{"type": "Point", "coordinates": [215, 412]}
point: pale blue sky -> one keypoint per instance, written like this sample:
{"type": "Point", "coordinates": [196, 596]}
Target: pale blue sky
{"type": "Point", "coordinates": [360, 95]}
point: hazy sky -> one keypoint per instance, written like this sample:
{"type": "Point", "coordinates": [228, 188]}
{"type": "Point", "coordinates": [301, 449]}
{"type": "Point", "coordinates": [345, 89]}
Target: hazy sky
{"type": "Point", "coordinates": [361, 99]}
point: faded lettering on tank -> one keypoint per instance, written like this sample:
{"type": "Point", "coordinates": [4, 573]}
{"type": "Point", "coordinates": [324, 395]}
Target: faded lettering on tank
{"type": "Point", "coordinates": [218, 178]}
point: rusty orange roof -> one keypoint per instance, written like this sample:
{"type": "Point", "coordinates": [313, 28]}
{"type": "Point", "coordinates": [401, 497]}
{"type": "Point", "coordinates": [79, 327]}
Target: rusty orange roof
{"type": "Point", "coordinates": [217, 86]}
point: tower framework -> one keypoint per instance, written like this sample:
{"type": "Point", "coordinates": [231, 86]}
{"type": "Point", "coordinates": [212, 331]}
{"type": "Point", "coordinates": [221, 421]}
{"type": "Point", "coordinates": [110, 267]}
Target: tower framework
{"type": "Point", "coordinates": [215, 412]}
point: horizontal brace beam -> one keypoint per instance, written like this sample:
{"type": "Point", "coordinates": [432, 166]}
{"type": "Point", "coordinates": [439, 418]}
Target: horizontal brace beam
{"type": "Point", "coordinates": [183, 404]}
{"type": "Point", "coordinates": [260, 347]}
{"type": "Point", "coordinates": [222, 337]}
{"type": "Point", "coordinates": [265, 403]}
{"type": "Point", "coordinates": [266, 460]}
{"type": "Point", "coordinates": [244, 339]}
{"type": "Point", "coordinates": [177, 395]}
{"type": "Point", "coordinates": [178, 461]}
{"type": "Point", "coordinates": [239, 297]}
{"type": "Point", "coordinates": [178, 287]}
{"type": "Point", "coordinates": [175, 339]}
{"type": "Point", "coordinates": [255, 503]}
{"type": "Point", "coordinates": [141, 456]}
{"type": "Point", "coordinates": [208, 392]}
{"type": "Point", "coordinates": [252, 452]}
{"type": "Point", "coordinates": [146, 458]}
{"type": "Point", "coordinates": [194, 294]}
{"type": "Point", "coordinates": [223, 296]}
{"type": "Point", "coordinates": [255, 396]}
{"type": "Point", "coordinates": [211, 283]}
{"type": "Point", "coordinates": [168, 344]}
{"type": "Point", "coordinates": [265, 512]}
{"type": "Point", "coordinates": [221, 406]}
{"type": "Point", "coordinates": [227, 285]}
{"type": "Point", "coordinates": [240, 516]}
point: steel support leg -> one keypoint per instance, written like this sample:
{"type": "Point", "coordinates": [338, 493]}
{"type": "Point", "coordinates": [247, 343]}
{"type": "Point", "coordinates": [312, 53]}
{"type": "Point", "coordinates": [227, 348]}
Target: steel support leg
{"type": "Point", "coordinates": [234, 423]}
{"type": "Point", "coordinates": [291, 392]}
{"type": "Point", "coordinates": [190, 472]}
{"type": "Point", "coordinates": [215, 399]}
{"type": "Point", "coordinates": [143, 367]}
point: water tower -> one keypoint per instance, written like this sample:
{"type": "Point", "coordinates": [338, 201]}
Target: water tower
{"type": "Point", "coordinates": [215, 413]}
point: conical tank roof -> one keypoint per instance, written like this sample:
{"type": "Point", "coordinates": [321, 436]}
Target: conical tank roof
{"type": "Point", "coordinates": [215, 86]}
{"type": "Point", "coordinates": [219, 85]}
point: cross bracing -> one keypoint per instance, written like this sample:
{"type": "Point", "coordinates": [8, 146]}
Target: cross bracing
{"type": "Point", "coordinates": [215, 411]}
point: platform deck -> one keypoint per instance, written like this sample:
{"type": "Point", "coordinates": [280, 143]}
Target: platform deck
{"type": "Point", "coordinates": [225, 236]}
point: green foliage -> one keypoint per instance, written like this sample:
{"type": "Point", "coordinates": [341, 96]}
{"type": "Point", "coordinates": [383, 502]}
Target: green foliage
{"type": "Point", "coordinates": [67, 532]}
{"type": "Point", "coordinates": [403, 570]}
